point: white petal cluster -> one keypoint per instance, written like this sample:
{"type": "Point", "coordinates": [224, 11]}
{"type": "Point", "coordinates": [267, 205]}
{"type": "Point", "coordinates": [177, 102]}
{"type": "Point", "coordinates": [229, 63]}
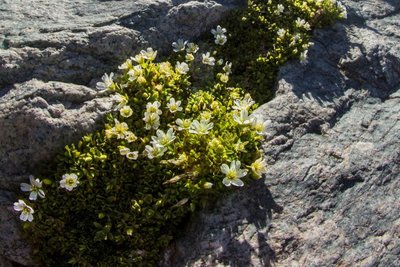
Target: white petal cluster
{"type": "Point", "coordinates": [107, 82]}
{"type": "Point", "coordinates": [233, 173]}
{"type": "Point", "coordinates": [243, 104]}
{"type": "Point", "coordinates": [242, 118]}
{"type": "Point", "coordinates": [174, 106]}
{"type": "Point", "coordinates": [26, 211]}
{"type": "Point", "coordinates": [35, 188]}
{"type": "Point", "coordinates": [125, 151]}
{"type": "Point", "coordinates": [279, 9]}
{"type": "Point", "coordinates": [181, 68]}
{"type": "Point", "coordinates": [192, 48]}
{"type": "Point", "coordinates": [69, 181]}
{"type": "Point", "coordinates": [259, 124]}
{"type": "Point", "coordinates": [126, 65]}
{"type": "Point", "coordinates": [281, 33]}
{"type": "Point", "coordinates": [149, 54]}
{"type": "Point", "coordinates": [227, 68]}
{"type": "Point", "coordinates": [207, 59]}
{"type": "Point", "coordinates": [179, 45]}
{"type": "Point", "coordinates": [154, 151]}
{"type": "Point", "coordinates": [135, 73]}
{"type": "Point", "coordinates": [119, 130]}
{"type": "Point", "coordinates": [200, 128]}
{"type": "Point", "coordinates": [162, 138]}
{"type": "Point", "coordinates": [126, 111]}
{"type": "Point", "coordinates": [301, 23]}
{"type": "Point", "coordinates": [183, 124]}
{"type": "Point", "coordinates": [259, 167]}
{"type": "Point", "coordinates": [219, 35]}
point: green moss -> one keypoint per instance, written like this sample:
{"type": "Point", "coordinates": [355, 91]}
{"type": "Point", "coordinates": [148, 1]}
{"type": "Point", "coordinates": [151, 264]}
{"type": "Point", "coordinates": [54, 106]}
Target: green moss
{"type": "Point", "coordinates": [152, 165]}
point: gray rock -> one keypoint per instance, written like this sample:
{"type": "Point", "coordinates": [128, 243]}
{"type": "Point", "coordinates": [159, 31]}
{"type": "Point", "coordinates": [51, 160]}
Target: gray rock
{"type": "Point", "coordinates": [51, 53]}
{"type": "Point", "coordinates": [77, 41]}
{"type": "Point", "coordinates": [331, 195]}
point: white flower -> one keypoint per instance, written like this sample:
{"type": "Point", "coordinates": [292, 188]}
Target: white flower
{"type": "Point", "coordinates": [303, 57]}
{"type": "Point", "coordinates": [165, 68]}
{"type": "Point", "coordinates": [69, 181]}
{"type": "Point", "coordinates": [244, 103]}
{"type": "Point", "coordinates": [153, 107]}
{"type": "Point", "coordinates": [133, 155]}
{"type": "Point", "coordinates": [183, 124]}
{"type": "Point", "coordinates": [233, 173]}
{"type": "Point", "coordinates": [259, 124]}
{"type": "Point", "coordinates": [218, 31]}
{"type": "Point", "coordinates": [138, 58]}
{"type": "Point", "coordinates": [163, 139]}
{"type": "Point", "coordinates": [179, 45]}
{"type": "Point", "coordinates": [192, 48]}
{"type": "Point", "coordinates": [279, 9]}
{"type": "Point", "coordinates": [149, 54]}
{"type": "Point", "coordinates": [281, 33]}
{"type": "Point", "coordinates": [174, 106]}
{"type": "Point", "coordinates": [259, 167]}
{"type": "Point", "coordinates": [181, 68]}
{"type": "Point", "coordinates": [130, 137]}
{"type": "Point", "coordinates": [201, 127]}
{"type": "Point", "coordinates": [154, 151]}
{"type": "Point", "coordinates": [123, 150]}
{"type": "Point", "coordinates": [220, 39]}
{"type": "Point", "coordinates": [242, 118]}
{"type": "Point", "coordinates": [27, 211]}
{"type": "Point", "coordinates": [122, 101]}
{"type": "Point", "coordinates": [119, 129]}
{"type": "Point", "coordinates": [126, 65]}
{"type": "Point", "coordinates": [126, 111]}
{"type": "Point", "coordinates": [35, 188]}
{"type": "Point", "coordinates": [107, 82]}
{"type": "Point", "coordinates": [301, 23]}
{"type": "Point", "coordinates": [189, 57]}
{"type": "Point", "coordinates": [152, 121]}
{"type": "Point", "coordinates": [135, 73]}
{"type": "Point", "coordinates": [224, 78]}
{"type": "Point", "coordinates": [207, 59]}
{"type": "Point", "coordinates": [207, 185]}
{"type": "Point", "coordinates": [227, 68]}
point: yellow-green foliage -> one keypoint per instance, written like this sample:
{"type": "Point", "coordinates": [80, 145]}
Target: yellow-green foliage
{"type": "Point", "coordinates": [256, 48]}
{"type": "Point", "coordinates": [180, 134]}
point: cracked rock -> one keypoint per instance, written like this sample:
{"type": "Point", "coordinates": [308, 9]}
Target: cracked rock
{"type": "Point", "coordinates": [331, 195]}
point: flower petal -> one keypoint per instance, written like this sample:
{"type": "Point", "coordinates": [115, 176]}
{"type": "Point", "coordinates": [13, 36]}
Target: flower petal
{"type": "Point", "coordinates": [25, 187]}
{"type": "Point", "coordinates": [226, 182]}
{"type": "Point", "coordinates": [224, 168]}
{"type": "Point", "coordinates": [33, 195]}
{"type": "Point", "coordinates": [237, 182]}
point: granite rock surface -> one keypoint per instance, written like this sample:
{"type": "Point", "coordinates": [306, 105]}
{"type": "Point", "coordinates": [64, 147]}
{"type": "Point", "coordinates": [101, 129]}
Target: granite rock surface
{"type": "Point", "coordinates": [331, 196]}
{"type": "Point", "coordinates": [52, 53]}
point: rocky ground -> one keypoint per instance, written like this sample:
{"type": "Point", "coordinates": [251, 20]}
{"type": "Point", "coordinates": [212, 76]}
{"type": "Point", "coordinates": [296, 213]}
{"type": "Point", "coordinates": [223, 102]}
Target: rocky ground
{"type": "Point", "coordinates": [331, 194]}
{"type": "Point", "coordinates": [52, 53]}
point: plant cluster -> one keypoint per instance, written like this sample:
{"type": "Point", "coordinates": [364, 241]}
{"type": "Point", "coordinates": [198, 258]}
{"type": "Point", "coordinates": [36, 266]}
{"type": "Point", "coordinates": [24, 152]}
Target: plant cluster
{"type": "Point", "coordinates": [168, 146]}
{"type": "Point", "coordinates": [268, 33]}
{"type": "Point", "coordinates": [181, 132]}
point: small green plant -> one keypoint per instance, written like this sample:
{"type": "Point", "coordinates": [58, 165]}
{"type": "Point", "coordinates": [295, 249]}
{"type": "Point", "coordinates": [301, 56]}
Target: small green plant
{"type": "Point", "coordinates": [167, 148]}
{"type": "Point", "coordinates": [181, 133]}
{"type": "Point", "coordinates": [268, 33]}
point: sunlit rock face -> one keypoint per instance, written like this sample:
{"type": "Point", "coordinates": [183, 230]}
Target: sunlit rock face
{"type": "Point", "coordinates": [331, 195]}
{"type": "Point", "coordinates": [52, 53]}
